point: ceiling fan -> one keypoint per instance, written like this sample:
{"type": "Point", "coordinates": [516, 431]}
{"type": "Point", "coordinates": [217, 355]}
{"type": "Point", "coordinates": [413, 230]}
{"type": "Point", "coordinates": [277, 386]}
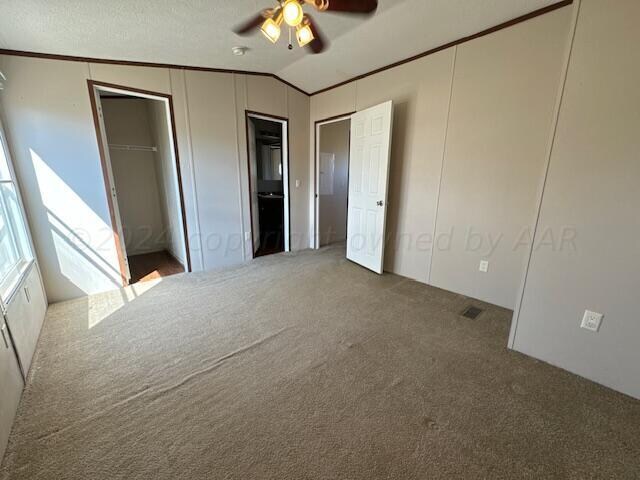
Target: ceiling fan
{"type": "Point", "coordinates": [292, 14]}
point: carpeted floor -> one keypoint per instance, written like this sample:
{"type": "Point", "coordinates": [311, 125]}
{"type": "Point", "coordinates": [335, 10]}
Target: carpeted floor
{"type": "Point", "coordinates": [304, 366]}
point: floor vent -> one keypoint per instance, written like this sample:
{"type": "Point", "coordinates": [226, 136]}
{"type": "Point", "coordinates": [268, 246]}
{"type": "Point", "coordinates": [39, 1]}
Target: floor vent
{"type": "Point", "coordinates": [472, 312]}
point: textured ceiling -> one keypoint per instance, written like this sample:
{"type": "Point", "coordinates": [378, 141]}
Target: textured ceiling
{"type": "Point", "coordinates": [198, 33]}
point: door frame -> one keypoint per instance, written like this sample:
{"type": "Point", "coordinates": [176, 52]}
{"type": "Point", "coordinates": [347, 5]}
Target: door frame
{"type": "Point", "coordinates": [316, 174]}
{"type": "Point", "coordinates": [284, 122]}
{"type": "Point", "coordinates": [95, 87]}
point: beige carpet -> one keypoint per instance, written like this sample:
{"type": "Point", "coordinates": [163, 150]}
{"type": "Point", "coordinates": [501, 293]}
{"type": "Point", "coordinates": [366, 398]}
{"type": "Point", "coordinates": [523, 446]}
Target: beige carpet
{"type": "Point", "coordinates": [304, 366]}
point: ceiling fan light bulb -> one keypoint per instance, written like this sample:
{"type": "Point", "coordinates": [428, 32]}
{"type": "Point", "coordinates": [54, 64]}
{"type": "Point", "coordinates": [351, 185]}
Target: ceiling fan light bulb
{"type": "Point", "coordinates": [271, 30]}
{"type": "Point", "coordinates": [292, 11]}
{"type": "Point", "coordinates": [304, 35]}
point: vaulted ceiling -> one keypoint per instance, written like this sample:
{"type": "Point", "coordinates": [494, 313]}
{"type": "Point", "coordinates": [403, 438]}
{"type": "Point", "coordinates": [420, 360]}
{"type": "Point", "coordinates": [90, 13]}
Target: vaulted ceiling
{"type": "Point", "coordinates": [198, 33]}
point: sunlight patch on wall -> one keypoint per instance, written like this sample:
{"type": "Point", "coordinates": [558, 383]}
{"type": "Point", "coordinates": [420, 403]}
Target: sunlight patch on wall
{"type": "Point", "coordinates": [83, 241]}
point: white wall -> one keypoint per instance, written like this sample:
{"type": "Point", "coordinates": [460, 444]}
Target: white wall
{"type": "Point", "coordinates": [471, 124]}
{"type": "Point", "coordinates": [591, 189]}
{"type": "Point", "coordinates": [50, 129]}
{"type": "Point", "coordinates": [127, 122]}
{"type": "Point", "coordinates": [334, 139]}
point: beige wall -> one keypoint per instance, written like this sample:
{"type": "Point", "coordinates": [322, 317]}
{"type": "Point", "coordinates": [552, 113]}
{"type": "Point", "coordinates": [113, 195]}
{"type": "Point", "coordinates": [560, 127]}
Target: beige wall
{"type": "Point", "coordinates": [334, 139]}
{"type": "Point", "coordinates": [299, 169]}
{"type": "Point", "coordinates": [592, 189]}
{"type": "Point", "coordinates": [471, 125]}
{"type": "Point", "coordinates": [50, 130]}
{"type": "Point", "coordinates": [504, 90]}
{"type": "Point", "coordinates": [211, 109]}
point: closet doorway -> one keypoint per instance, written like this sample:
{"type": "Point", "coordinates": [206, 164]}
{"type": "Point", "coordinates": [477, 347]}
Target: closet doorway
{"type": "Point", "coordinates": [137, 141]}
{"type": "Point", "coordinates": [332, 140]}
{"type": "Point", "coordinates": [268, 158]}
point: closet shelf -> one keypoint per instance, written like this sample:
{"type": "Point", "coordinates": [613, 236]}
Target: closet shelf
{"type": "Point", "coordinates": [140, 148]}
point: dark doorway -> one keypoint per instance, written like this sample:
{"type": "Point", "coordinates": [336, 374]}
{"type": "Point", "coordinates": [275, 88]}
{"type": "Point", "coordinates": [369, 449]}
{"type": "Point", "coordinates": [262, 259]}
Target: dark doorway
{"type": "Point", "coordinates": [268, 184]}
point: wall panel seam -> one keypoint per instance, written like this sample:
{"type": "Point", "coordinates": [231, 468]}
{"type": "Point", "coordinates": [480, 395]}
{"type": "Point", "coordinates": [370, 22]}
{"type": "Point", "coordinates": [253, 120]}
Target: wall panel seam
{"type": "Point", "coordinates": [196, 209]}
{"type": "Point", "coordinates": [442, 161]}
{"type": "Point", "coordinates": [543, 184]}
{"type": "Point", "coordinates": [239, 170]}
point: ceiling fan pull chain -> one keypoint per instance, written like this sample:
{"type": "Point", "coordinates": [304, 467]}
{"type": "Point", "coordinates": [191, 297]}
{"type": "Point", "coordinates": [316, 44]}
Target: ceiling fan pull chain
{"type": "Point", "coordinates": [290, 46]}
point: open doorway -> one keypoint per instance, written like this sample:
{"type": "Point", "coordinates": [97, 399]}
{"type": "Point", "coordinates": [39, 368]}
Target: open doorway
{"type": "Point", "coordinates": [136, 136]}
{"type": "Point", "coordinates": [267, 152]}
{"type": "Point", "coordinates": [332, 180]}
{"type": "Point", "coordinates": [369, 147]}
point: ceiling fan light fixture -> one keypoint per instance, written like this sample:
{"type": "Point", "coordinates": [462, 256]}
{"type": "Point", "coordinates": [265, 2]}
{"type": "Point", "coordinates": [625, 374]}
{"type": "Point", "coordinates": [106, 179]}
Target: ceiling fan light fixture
{"type": "Point", "coordinates": [271, 29]}
{"type": "Point", "coordinates": [304, 35]}
{"type": "Point", "coordinates": [292, 11]}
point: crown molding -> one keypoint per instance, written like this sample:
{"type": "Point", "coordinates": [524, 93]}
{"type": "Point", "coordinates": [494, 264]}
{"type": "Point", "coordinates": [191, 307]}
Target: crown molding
{"type": "Point", "coordinates": [108, 61]}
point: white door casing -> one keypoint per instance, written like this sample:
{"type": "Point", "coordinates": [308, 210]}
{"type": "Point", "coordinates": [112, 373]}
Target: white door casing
{"type": "Point", "coordinates": [253, 179]}
{"type": "Point", "coordinates": [112, 184]}
{"type": "Point", "coordinates": [369, 153]}
{"type": "Point", "coordinates": [316, 168]}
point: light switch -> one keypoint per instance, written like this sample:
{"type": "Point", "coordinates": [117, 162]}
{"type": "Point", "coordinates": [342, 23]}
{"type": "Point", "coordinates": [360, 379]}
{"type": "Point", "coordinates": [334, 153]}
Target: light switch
{"type": "Point", "coordinates": [297, 183]}
{"type": "Point", "coordinates": [484, 266]}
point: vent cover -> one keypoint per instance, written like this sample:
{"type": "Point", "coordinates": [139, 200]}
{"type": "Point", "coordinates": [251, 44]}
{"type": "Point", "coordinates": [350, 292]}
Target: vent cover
{"type": "Point", "coordinates": [472, 312]}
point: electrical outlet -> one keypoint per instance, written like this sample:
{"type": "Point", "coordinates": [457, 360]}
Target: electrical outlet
{"type": "Point", "coordinates": [297, 183]}
{"type": "Point", "coordinates": [591, 320]}
{"type": "Point", "coordinates": [484, 266]}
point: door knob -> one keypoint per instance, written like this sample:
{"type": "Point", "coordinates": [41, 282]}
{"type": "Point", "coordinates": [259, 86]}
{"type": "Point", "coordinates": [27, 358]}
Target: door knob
{"type": "Point", "coordinates": [379, 203]}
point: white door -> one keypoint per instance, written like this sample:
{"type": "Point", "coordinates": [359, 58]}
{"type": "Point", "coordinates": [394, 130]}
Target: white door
{"type": "Point", "coordinates": [369, 152]}
{"type": "Point", "coordinates": [112, 185]}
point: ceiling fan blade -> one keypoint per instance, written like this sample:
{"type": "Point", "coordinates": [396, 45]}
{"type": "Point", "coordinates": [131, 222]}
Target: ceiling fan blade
{"type": "Point", "coordinates": [347, 6]}
{"type": "Point", "coordinates": [251, 24]}
{"type": "Point", "coordinates": [319, 42]}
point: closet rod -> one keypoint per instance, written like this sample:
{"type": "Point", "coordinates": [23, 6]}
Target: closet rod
{"type": "Point", "coordinates": [140, 148]}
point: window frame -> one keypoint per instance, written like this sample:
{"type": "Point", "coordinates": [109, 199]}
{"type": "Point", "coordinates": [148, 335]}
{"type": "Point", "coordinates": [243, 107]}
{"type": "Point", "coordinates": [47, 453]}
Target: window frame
{"type": "Point", "coordinates": [11, 282]}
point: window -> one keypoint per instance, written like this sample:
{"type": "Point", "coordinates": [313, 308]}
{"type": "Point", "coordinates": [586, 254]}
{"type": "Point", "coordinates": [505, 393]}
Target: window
{"type": "Point", "coordinates": [15, 251]}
